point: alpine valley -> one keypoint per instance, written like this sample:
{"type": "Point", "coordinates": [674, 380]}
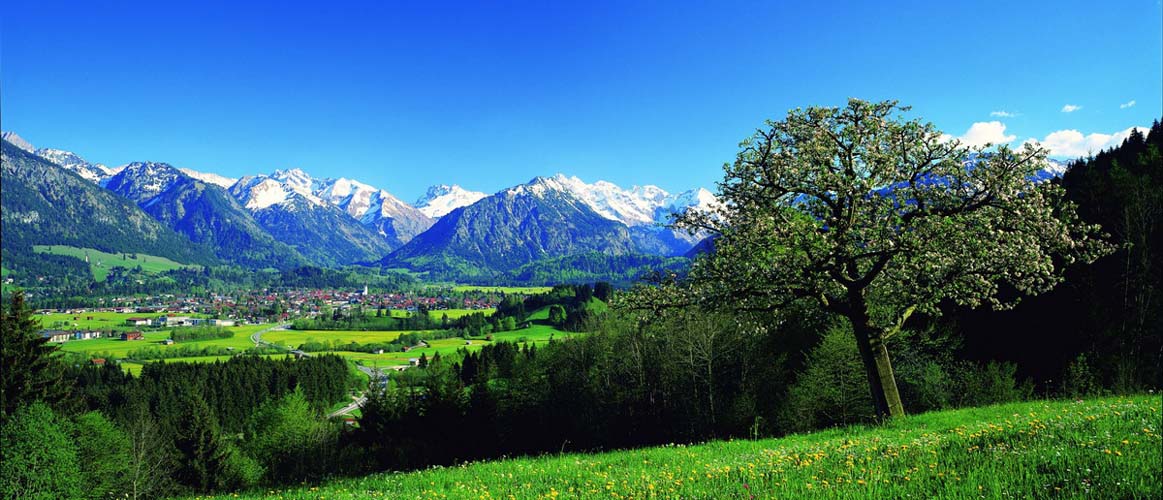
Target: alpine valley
{"type": "Point", "coordinates": [288, 219]}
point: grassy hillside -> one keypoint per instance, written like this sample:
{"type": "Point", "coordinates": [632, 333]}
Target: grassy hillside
{"type": "Point", "coordinates": [1103, 448]}
{"type": "Point", "coordinates": [100, 262]}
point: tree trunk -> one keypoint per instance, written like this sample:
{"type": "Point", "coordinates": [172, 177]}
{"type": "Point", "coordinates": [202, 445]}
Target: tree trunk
{"type": "Point", "coordinates": [881, 379]}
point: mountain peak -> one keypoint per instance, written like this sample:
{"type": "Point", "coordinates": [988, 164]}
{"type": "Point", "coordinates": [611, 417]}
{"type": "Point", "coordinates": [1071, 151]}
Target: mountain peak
{"type": "Point", "coordinates": [443, 198]}
{"type": "Point", "coordinates": [209, 178]}
{"type": "Point", "coordinates": [17, 141]}
{"type": "Point", "coordinates": [71, 161]}
{"type": "Point", "coordinates": [144, 181]}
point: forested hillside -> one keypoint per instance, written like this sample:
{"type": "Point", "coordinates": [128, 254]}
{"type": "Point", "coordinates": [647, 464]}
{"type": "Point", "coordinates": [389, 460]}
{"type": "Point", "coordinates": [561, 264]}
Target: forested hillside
{"type": "Point", "coordinates": [204, 213]}
{"type": "Point", "coordinates": [1103, 320]}
{"type": "Point", "coordinates": [45, 204]}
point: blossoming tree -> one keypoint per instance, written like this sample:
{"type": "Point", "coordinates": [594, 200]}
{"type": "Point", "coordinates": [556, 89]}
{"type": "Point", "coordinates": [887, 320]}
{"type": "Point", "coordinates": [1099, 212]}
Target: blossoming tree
{"type": "Point", "coordinates": [877, 217]}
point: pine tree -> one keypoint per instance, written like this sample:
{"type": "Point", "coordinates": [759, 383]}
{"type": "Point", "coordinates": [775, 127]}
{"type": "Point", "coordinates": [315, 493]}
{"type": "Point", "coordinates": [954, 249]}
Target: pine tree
{"type": "Point", "coordinates": [28, 370]}
{"type": "Point", "coordinates": [204, 454]}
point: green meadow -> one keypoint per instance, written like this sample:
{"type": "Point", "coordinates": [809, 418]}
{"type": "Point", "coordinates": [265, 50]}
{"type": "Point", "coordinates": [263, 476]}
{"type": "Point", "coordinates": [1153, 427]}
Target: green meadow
{"type": "Point", "coordinates": [101, 262]}
{"type": "Point", "coordinates": [135, 369]}
{"type": "Point", "coordinates": [98, 320]}
{"type": "Point", "coordinates": [117, 348]}
{"type": "Point", "coordinates": [458, 313]}
{"type": "Point", "coordinates": [434, 314]}
{"type": "Point", "coordinates": [294, 338]}
{"type": "Point", "coordinates": [521, 290]}
{"type": "Point", "coordinates": [1101, 448]}
{"type": "Point", "coordinates": [447, 348]}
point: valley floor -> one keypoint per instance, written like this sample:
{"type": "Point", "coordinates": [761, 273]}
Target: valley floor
{"type": "Point", "coordinates": [1099, 448]}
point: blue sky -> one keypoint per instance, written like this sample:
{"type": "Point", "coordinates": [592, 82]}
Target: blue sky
{"type": "Point", "coordinates": [405, 95]}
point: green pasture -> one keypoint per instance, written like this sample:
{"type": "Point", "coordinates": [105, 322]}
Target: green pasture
{"type": "Point", "coordinates": [434, 314]}
{"type": "Point", "coordinates": [458, 313]}
{"type": "Point", "coordinates": [100, 262]}
{"type": "Point", "coordinates": [117, 348]}
{"type": "Point", "coordinates": [511, 290]}
{"type": "Point", "coordinates": [134, 368]}
{"type": "Point", "coordinates": [294, 338]}
{"type": "Point", "coordinates": [448, 347]}
{"type": "Point", "coordinates": [98, 320]}
{"type": "Point", "coordinates": [1101, 448]}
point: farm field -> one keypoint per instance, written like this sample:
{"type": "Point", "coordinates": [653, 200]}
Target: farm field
{"type": "Point", "coordinates": [1100, 448]}
{"type": "Point", "coordinates": [523, 290]}
{"type": "Point", "coordinates": [448, 347]}
{"type": "Point", "coordinates": [98, 320]}
{"type": "Point", "coordinates": [294, 338]}
{"type": "Point", "coordinates": [458, 313]}
{"type": "Point", "coordinates": [100, 262]}
{"type": "Point", "coordinates": [117, 348]}
{"type": "Point", "coordinates": [135, 368]}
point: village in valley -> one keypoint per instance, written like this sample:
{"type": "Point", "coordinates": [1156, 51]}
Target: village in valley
{"type": "Point", "coordinates": [122, 317]}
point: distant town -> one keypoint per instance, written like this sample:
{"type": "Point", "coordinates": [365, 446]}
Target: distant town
{"type": "Point", "coordinates": [257, 307]}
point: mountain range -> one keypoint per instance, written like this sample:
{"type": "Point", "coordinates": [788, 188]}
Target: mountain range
{"type": "Point", "coordinates": [45, 204]}
{"type": "Point", "coordinates": [288, 218]}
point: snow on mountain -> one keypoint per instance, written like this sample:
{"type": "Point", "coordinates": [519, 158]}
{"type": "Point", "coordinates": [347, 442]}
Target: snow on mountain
{"type": "Point", "coordinates": [209, 178]}
{"type": "Point", "coordinates": [637, 206]}
{"type": "Point", "coordinates": [299, 182]}
{"type": "Point", "coordinates": [257, 192]}
{"type": "Point", "coordinates": [17, 141]}
{"type": "Point", "coordinates": [70, 161]}
{"type": "Point", "coordinates": [441, 199]}
{"type": "Point", "coordinates": [371, 206]}
{"type": "Point", "coordinates": [142, 182]}
{"type": "Point", "coordinates": [698, 199]}
{"type": "Point", "coordinates": [353, 197]}
{"type": "Point", "coordinates": [362, 201]}
{"type": "Point", "coordinates": [1055, 168]}
{"type": "Point", "coordinates": [378, 204]}
{"type": "Point", "coordinates": [644, 209]}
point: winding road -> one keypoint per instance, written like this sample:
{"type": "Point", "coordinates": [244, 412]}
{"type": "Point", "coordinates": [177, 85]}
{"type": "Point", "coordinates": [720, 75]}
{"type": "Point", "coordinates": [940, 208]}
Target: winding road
{"type": "Point", "coordinates": [375, 374]}
{"type": "Point", "coordinates": [349, 408]}
{"type": "Point", "coordinates": [256, 337]}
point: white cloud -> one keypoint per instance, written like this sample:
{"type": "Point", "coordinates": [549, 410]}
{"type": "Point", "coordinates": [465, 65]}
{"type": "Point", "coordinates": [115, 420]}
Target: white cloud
{"type": "Point", "coordinates": [1127, 104]}
{"type": "Point", "coordinates": [981, 133]}
{"type": "Point", "coordinates": [1002, 114]}
{"type": "Point", "coordinates": [1073, 144]}
{"type": "Point", "coordinates": [1070, 108]}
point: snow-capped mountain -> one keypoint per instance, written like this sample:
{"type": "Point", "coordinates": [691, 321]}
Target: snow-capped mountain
{"type": "Point", "coordinates": [637, 206]}
{"type": "Point", "coordinates": [209, 178]}
{"type": "Point", "coordinates": [257, 192]}
{"type": "Point", "coordinates": [94, 172]}
{"type": "Point", "coordinates": [1055, 167]}
{"type": "Point", "coordinates": [441, 199]}
{"type": "Point", "coordinates": [204, 213]}
{"type": "Point", "coordinates": [395, 221]}
{"type": "Point", "coordinates": [537, 220]}
{"type": "Point", "coordinates": [90, 171]}
{"type": "Point", "coordinates": [143, 182]}
{"type": "Point", "coordinates": [353, 197]}
{"type": "Point", "coordinates": [392, 218]}
{"type": "Point", "coordinates": [287, 205]}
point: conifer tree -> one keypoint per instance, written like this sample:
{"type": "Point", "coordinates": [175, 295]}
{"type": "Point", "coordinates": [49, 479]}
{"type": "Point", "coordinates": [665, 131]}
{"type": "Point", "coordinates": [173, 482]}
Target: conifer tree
{"type": "Point", "coordinates": [29, 370]}
{"type": "Point", "coordinates": [204, 454]}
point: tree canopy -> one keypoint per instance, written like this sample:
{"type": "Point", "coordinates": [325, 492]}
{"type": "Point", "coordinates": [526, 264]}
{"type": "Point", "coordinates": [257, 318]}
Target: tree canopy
{"type": "Point", "coordinates": [876, 216]}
